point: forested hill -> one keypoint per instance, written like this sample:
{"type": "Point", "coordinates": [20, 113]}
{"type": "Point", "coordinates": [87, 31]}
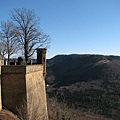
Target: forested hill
{"type": "Point", "coordinates": [86, 82]}
{"type": "Point", "coordinates": [64, 70]}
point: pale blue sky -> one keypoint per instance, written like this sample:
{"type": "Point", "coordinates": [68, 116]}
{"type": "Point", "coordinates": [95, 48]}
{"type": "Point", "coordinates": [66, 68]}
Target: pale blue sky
{"type": "Point", "coordinates": [75, 26]}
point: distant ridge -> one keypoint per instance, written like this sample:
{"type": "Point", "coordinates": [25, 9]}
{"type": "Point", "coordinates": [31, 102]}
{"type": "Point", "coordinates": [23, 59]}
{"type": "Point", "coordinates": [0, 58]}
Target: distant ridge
{"type": "Point", "coordinates": [69, 69]}
{"type": "Point", "coordinates": [86, 82]}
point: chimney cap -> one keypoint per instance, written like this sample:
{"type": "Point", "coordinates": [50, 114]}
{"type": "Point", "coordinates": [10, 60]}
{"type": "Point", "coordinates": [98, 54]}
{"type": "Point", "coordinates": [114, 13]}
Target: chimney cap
{"type": "Point", "coordinates": [41, 49]}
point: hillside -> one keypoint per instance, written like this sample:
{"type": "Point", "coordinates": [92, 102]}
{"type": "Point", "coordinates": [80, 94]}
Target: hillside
{"type": "Point", "coordinates": [88, 82]}
{"type": "Point", "coordinates": [64, 70]}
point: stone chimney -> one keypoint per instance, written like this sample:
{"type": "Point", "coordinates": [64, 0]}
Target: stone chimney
{"type": "Point", "coordinates": [41, 58]}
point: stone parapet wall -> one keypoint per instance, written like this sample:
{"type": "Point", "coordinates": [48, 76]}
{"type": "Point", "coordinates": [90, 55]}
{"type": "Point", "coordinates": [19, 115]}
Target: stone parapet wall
{"type": "Point", "coordinates": [13, 69]}
{"type": "Point", "coordinates": [0, 95]}
{"type": "Point", "coordinates": [20, 69]}
{"type": "Point", "coordinates": [36, 96]}
{"type": "Point", "coordinates": [13, 89]}
{"type": "Point", "coordinates": [1, 63]}
{"type": "Point", "coordinates": [34, 68]}
{"type": "Point", "coordinates": [24, 84]}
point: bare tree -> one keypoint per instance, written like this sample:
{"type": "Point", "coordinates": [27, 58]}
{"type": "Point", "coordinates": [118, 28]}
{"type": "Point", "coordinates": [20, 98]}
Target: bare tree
{"type": "Point", "coordinates": [8, 43]}
{"type": "Point", "coordinates": [28, 33]}
{"type": "Point", "coordinates": [3, 51]}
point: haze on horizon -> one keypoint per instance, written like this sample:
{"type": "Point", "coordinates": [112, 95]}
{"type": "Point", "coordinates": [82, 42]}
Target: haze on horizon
{"type": "Point", "coordinates": [75, 27]}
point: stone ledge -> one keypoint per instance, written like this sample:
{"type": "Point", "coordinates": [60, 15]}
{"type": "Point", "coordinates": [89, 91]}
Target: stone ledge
{"type": "Point", "coordinates": [20, 69]}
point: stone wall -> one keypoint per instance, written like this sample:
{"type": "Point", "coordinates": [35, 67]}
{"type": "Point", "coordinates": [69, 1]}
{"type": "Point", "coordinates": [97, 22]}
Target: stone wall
{"type": "Point", "coordinates": [13, 86]}
{"type": "Point", "coordinates": [24, 86]}
{"type": "Point", "coordinates": [1, 63]}
{"type": "Point", "coordinates": [0, 97]}
{"type": "Point", "coordinates": [36, 87]}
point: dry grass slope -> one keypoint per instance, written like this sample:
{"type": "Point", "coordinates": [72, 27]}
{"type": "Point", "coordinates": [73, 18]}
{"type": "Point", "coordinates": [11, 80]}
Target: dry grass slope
{"type": "Point", "coordinates": [7, 115]}
{"type": "Point", "coordinates": [60, 111]}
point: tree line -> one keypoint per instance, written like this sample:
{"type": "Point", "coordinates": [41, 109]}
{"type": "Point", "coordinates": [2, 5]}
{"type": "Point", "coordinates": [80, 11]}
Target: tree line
{"type": "Point", "coordinates": [22, 34]}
